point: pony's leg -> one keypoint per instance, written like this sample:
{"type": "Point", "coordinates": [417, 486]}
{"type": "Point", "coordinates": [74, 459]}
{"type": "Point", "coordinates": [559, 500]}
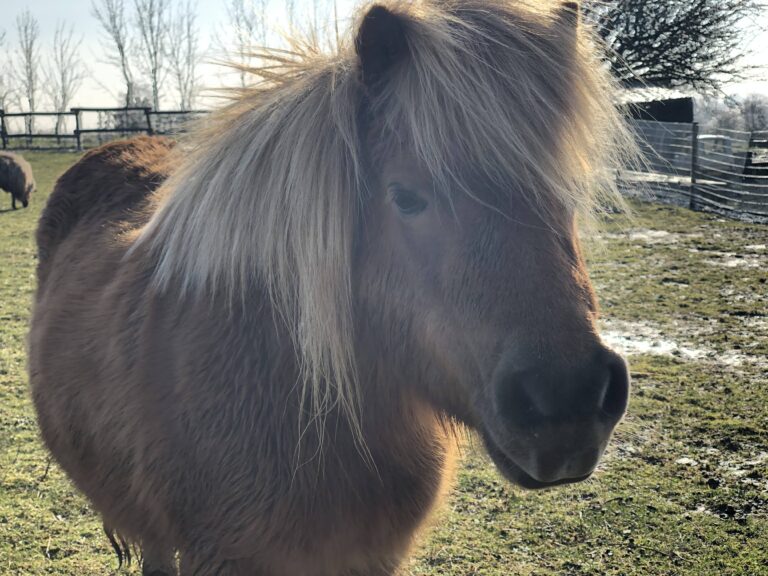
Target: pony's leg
{"type": "Point", "coordinates": [158, 560]}
{"type": "Point", "coordinates": [13, 201]}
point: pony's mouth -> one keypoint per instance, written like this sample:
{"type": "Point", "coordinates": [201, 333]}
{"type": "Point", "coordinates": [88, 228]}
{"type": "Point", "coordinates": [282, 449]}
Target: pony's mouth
{"type": "Point", "coordinates": [515, 473]}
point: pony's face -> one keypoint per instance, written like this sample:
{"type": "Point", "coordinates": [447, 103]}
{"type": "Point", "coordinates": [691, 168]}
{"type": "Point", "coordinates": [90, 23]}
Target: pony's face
{"type": "Point", "coordinates": [491, 318]}
{"type": "Point", "coordinates": [486, 311]}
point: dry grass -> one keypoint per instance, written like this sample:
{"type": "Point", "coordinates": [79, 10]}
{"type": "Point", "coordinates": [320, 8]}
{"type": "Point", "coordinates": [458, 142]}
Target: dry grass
{"type": "Point", "coordinates": [683, 491]}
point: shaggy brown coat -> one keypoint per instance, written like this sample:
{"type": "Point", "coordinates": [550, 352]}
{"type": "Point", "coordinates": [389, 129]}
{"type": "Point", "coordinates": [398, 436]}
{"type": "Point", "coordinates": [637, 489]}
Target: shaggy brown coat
{"type": "Point", "coordinates": [16, 177]}
{"type": "Point", "coordinates": [178, 389]}
{"type": "Point", "coordinates": [246, 350]}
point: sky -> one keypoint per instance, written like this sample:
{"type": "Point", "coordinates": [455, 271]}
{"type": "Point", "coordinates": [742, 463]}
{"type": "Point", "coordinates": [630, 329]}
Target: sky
{"type": "Point", "coordinates": [103, 86]}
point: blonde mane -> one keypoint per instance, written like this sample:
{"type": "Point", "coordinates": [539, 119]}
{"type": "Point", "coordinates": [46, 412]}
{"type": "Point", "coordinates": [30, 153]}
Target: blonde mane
{"type": "Point", "coordinates": [269, 190]}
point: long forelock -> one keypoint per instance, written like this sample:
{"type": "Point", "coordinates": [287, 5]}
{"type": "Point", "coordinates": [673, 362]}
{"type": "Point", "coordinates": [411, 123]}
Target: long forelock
{"type": "Point", "coordinates": [267, 197]}
{"type": "Point", "coordinates": [269, 190]}
{"type": "Point", "coordinates": [507, 92]}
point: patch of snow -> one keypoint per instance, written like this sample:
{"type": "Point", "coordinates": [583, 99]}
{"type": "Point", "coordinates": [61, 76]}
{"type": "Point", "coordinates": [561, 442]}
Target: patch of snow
{"type": "Point", "coordinates": [635, 338]}
{"type": "Point", "coordinates": [648, 236]}
{"type": "Point", "coordinates": [686, 461]}
{"type": "Point", "coordinates": [638, 338]}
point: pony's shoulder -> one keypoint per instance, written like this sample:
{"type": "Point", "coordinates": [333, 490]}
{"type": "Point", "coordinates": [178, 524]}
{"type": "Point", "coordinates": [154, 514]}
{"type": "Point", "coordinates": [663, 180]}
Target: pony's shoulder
{"type": "Point", "coordinates": [108, 186]}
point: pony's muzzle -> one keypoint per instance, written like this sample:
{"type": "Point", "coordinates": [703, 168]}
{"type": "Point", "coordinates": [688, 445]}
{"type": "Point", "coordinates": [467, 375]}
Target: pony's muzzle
{"type": "Point", "coordinates": [552, 422]}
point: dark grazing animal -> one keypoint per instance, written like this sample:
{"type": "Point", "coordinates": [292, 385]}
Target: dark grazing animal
{"type": "Point", "coordinates": [252, 349]}
{"type": "Point", "coordinates": [16, 177]}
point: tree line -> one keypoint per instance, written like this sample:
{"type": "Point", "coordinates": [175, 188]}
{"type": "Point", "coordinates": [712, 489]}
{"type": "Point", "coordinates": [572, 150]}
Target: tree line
{"type": "Point", "coordinates": [157, 47]}
{"type": "Point", "coordinates": [695, 44]}
{"type": "Point", "coordinates": [749, 114]}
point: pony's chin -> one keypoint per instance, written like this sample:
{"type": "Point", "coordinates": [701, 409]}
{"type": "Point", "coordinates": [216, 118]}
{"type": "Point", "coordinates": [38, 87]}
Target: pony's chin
{"type": "Point", "coordinates": [515, 474]}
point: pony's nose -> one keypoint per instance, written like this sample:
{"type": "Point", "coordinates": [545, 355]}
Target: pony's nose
{"type": "Point", "coordinates": [556, 419]}
{"type": "Point", "coordinates": [593, 392]}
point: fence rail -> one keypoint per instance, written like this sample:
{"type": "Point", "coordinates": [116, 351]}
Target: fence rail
{"type": "Point", "coordinates": [721, 170]}
{"type": "Point", "coordinates": [87, 127]}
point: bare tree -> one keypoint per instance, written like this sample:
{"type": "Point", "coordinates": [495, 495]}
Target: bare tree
{"type": "Point", "coordinates": [317, 11]}
{"type": "Point", "coordinates": [714, 113]}
{"type": "Point", "coordinates": [27, 63]}
{"type": "Point", "coordinates": [290, 10]}
{"type": "Point", "coordinates": [116, 40]}
{"type": "Point", "coordinates": [5, 76]}
{"type": "Point", "coordinates": [152, 26]}
{"type": "Point", "coordinates": [754, 109]}
{"type": "Point", "coordinates": [698, 44]}
{"type": "Point", "coordinates": [336, 33]}
{"type": "Point", "coordinates": [183, 55]}
{"type": "Point", "coordinates": [247, 30]}
{"type": "Point", "coordinates": [65, 72]}
{"type": "Point", "coordinates": [324, 22]}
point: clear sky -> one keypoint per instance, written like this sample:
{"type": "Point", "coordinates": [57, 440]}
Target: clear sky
{"type": "Point", "coordinates": [104, 86]}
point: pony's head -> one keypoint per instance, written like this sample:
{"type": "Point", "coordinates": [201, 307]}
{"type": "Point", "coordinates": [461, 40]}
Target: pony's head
{"type": "Point", "coordinates": [484, 128]}
{"type": "Point", "coordinates": [26, 192]}
{"type": "Point", "coordinates": [411, 204]}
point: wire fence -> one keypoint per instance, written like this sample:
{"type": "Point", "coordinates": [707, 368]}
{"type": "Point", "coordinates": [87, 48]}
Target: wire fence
{"type": "Point", "coordinates": [720, 170]}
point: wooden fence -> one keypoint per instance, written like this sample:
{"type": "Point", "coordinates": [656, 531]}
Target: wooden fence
{"type": "Point", "coordinates": [82, 128]}
{"type": "Point", "coordinates": [721, 170]}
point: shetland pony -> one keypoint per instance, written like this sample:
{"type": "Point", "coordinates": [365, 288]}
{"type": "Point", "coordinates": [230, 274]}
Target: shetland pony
{"type": "Point", "coordinates": [16, 177]}
{"type": "Point", "coordinates": [251, 350]}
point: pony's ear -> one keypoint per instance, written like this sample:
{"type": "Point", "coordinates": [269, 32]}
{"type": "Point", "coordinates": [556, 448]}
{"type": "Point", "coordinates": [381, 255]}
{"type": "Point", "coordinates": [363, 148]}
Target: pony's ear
{"type": "Point", "coordinates": [380, 43]}
{"type": "Point", "coordinates": [570, 14]}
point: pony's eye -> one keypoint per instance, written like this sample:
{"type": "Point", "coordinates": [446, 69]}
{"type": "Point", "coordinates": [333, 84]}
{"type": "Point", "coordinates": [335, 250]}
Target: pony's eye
{"type": "Point", "coordinates": [408, 202]}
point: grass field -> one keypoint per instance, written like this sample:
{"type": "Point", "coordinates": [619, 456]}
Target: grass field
{"type": "Point", "coordinates": [683, 491]}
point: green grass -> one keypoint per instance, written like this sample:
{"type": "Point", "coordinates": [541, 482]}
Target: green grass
{"type": "Point", "coordinates": [684, 489]}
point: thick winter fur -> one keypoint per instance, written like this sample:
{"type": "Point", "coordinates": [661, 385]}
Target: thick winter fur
{"type": "Point", "coordinates": [227, 355]}
{"type": "Point", "coordinates": [16, 177]}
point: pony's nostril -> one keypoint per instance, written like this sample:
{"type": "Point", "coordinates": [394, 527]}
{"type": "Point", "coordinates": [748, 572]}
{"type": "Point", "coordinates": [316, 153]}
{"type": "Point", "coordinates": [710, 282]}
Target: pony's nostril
{"type": "Point", "coordinates": [599, 388]}
{"type": "Point", "coordinates": [616, 395]}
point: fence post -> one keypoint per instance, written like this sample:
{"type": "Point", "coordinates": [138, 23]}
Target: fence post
{"type": "Point", "coordinates": [3, 133]}
{"type": "Point", "coordinates": [150, 131]}
{"type": "Point", "coordinates": [76, 112]}
{"type": "Point", "coordinates": [694, 163]}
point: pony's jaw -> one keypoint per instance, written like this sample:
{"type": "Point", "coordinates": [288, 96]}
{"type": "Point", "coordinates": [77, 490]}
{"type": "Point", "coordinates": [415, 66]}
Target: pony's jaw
{"type": "Point", "coordinates": [516, 474]}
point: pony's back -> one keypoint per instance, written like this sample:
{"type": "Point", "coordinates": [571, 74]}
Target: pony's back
{"type": "Point", "coordinates": [256, 363]}
{"type": "Point", "coordinates": [109, 184]}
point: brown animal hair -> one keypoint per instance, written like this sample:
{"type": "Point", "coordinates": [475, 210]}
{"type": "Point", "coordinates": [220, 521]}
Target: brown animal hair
{"type": "Point", "coordinates": [250, 348]}
{"type": "Point", "coordinates": [453, 100]}
{"type": "Point", "coordinates": [16, 177]}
